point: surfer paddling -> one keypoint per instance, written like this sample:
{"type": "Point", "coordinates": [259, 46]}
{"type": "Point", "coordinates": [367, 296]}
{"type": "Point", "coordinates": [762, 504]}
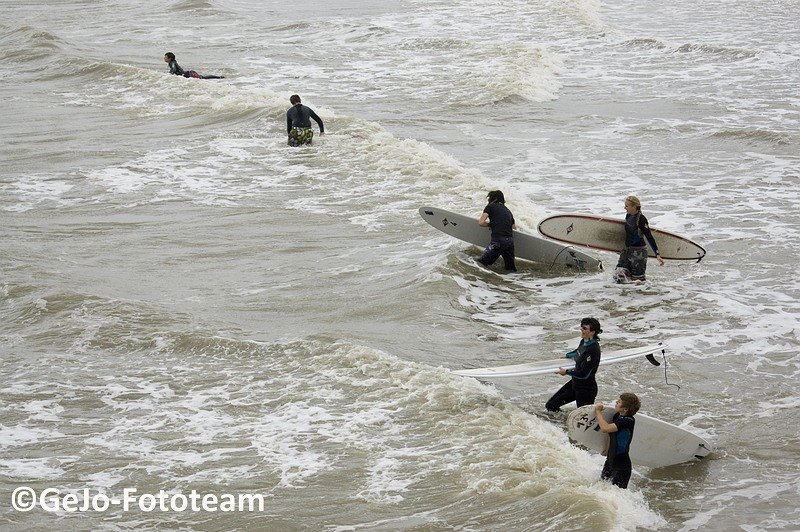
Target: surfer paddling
{"type": "Point", "coordinates": [618, 466]}
{"type": "Point", "coordinates": [582, 387]}
{"type": "Point", "coordinates": [175, 69]}
{"type": "Point", "coordinates": [497, 216]}
{"type": "Point", "coordinates": [632, 261]}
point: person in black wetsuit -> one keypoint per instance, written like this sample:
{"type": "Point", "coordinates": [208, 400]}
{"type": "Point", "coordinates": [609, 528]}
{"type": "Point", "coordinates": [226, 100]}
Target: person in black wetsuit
{"type": "Point", "coordinates": [632, 261]}
{"type": "Point", "coordinates": [175, 68]}
{"type": "Point", "coordinates": [582, 387]}
{"type": "Point", "coordinates": [497, 216]}
{"type": "Point", "coordinates": [618, 466]}
{"type": "Point", "coordinates": [298, 122]}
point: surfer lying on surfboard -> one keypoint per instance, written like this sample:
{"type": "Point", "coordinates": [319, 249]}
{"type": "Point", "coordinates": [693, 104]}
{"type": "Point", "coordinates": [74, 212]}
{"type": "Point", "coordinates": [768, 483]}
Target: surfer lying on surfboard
{"type": "Point", "coordinates": [175, 68]}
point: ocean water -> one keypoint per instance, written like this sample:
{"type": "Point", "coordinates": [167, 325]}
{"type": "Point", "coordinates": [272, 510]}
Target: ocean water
{"type": "Point", "coordinates": [187, 303]}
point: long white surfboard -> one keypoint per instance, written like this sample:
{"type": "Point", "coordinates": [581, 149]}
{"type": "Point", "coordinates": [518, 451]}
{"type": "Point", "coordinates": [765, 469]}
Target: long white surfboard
{"type": "Point", "coordinates": [526, 246]}
{"type": "Point", "coordinates": [655, 443]}
{"type": "Point", "coordinates": [608, 234]}
{"type": "Point", "coordinates": [551, 366]}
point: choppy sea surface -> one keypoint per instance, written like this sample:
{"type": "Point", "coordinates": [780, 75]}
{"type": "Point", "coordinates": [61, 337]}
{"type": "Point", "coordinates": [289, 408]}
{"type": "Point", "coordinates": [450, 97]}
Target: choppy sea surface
{"type": "Point", "coordinates": [187, 303]}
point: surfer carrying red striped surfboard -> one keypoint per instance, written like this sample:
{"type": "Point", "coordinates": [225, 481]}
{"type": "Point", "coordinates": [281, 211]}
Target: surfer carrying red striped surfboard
{"type": "Point", "coordinates": [632, 261]}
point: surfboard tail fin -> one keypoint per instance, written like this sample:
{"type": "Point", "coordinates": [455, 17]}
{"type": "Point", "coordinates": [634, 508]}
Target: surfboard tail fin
{"type": "Point", "coordinates": [650, 358]}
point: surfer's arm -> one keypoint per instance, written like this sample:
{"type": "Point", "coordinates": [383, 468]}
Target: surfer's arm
{"type": "Point", "coordinates": [604, 425]}
{"type": "Point", "coordinates": [318, 120]}
{"type": "Point", "coordinates": [648, 235]}
{"type": "Point", "coordinates": [483, 221]}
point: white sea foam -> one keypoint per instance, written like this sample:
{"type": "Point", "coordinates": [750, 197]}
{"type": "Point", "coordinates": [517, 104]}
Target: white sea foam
{"type": "Point", "coordinates": [31, 191]}
{"type": "Point", "coordinates": [30, 469]}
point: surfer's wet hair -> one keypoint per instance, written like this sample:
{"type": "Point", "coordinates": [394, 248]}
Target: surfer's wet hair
{"type": "Point", "coordinates": [633, 200]}
{"type": "Point", "coordinates": [630, 402]}
{"type": "Point", "coordinates": [294, 99]}
{"type": "Point", "coordinates": [593, 324]}
{"type": "Point", "coordinates": [170, 56]}
{"type": "Point", "coordinates": [496, 196]}
{"type": "Point", "coordinates": [637, 204]}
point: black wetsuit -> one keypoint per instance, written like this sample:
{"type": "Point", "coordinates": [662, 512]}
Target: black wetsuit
{"type": "Point", "coordinates": [633, 237]}
{"type": "Point", "coordinates": [501, 222]}
{"type": "Point", "coordinates": [633, 259]}
{"type": "Point", "coordinates": [582, 387]}
{"type": "Point", "coordinates": [175, 68]}
{"type": "Point", "coordinates": [300, 116]}
{"type": "Point", "coordinates": [618, 466]}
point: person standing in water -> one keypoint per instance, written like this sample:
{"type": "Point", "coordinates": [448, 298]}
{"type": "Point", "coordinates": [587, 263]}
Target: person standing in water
{"type": "Point", "coordinates": [632, 261]}
{"type": "Point", "coordinates": [582, 386]}
{"type": "Point", "coordinates": [175, 69]}
{"type": "Point", "coordinates": [497, 216]}
{"type": "Point", "coordinates": [298, 122]}
{"type": "Point", "coordinates": [618, 466]}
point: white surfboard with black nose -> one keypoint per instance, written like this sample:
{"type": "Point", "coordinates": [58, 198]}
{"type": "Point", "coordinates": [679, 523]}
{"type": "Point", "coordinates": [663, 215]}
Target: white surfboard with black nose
{"type": "Point", "coordinates": [526, 246]}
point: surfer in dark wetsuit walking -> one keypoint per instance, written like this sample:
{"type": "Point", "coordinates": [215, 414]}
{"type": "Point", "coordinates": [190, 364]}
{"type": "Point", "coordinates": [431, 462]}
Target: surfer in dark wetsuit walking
{"type": "Point", "coordinates": [175, 68]}
{"type": "Point", "coordinates": [618, 466]}
{"type": "Point", "coordinates": [497, 216]}
{"type": "Point", "coordinates": [632, 261]}
{"type": "Point", "coordinates": [582, 387]}
{"type": "Point", "coordinates": [298, 122]}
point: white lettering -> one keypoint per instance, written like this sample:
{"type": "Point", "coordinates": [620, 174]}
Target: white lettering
{"type": "Point", "coordinates": [25, 499]}
{"type": "Point", "coordinates": [52, 504]}
{"type": "Point", "coordinates": [147, 502]}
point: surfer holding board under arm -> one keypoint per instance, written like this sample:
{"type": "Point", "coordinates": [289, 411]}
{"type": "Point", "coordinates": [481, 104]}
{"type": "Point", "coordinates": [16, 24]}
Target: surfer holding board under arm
{"type": "Point", "coordinates": [633, 259]}
{"type": "Point", "coordinates": [497, 216]}
{"type": "Point", "coordinates": [582, 387]}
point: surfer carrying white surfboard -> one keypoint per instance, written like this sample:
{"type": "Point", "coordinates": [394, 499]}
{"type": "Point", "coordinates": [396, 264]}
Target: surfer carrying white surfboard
{"type": "Point", "coordinates": [632, 261]}
{"type": "Point", "coordinates": [582, 387]}
{"type": "Point", "coordinates": [617, 467]}
{"type": "Point", "coordinates": [497, 216]}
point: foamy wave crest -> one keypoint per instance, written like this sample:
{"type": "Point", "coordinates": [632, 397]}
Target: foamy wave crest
{"type": "Point", "coordinates": [26, 44]}
{"type": "Point", "coordinates": [510, 70]}
{"type": "Point", "coordinates": [645, 43]}
{"type": "Point", "coordinates": [146, 92]}
{"type": "Point", "coordinates": [28, 192]}
{"type": "Point", "coordinates": [586, 12]}
{"type": "Point", "coordinates": [359, 164]}
{"type": "Point", "coordinates": [726, 52]}
{"type": "Point", "coordinates": [317, 414]}
{"type": "Point", "coordinates": [755, 136]}
{"type": "Point", "coordinates": [486, 71]}
{"type": "Point", "coordinates": [192, 5]}
{"type": "Point", "coordinates": [393, 176]}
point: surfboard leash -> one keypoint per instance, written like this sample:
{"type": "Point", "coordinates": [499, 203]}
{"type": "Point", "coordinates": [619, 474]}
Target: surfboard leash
{"type": "Point", "coordinates": [666, 380]}
{"type": "Point", "coordinates": [559, 254]}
